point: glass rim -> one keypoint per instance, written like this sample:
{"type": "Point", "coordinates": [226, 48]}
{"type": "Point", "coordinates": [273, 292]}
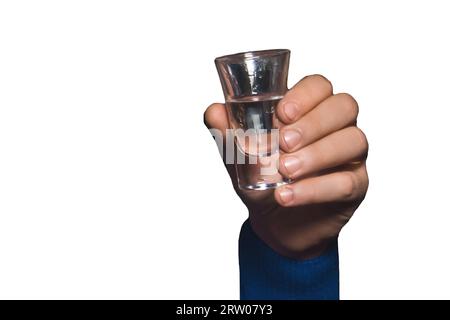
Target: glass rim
{"type": "Point", "coordinates": [247, 55]}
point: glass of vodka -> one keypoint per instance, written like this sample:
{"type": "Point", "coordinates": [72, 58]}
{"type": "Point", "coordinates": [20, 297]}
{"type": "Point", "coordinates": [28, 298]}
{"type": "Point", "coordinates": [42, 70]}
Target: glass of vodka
{"type": "Point", "coordinates": [253, 83]}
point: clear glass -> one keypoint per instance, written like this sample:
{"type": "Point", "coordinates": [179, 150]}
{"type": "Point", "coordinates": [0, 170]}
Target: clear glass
{"type": "Point", "coordinates": [253, 83]}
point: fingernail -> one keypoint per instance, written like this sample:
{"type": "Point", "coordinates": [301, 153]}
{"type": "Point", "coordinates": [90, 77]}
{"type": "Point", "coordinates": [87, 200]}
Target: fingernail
{"type": "Point", "coordinates": [292, 164]}
{"type": "Point", "coordinates": [286, 195]}
{"type": "Point", "coordinates": [291, 110]}
{"type": "Point", "coordinates": [291, 138]}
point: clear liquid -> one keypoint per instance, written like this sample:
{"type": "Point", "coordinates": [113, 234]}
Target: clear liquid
{"type": "Point", "coordinates": [255, 112]}
{"type": "Point", "coordinates": [257, 151]}
{"type": "Point", "coordinates": [256, 118]}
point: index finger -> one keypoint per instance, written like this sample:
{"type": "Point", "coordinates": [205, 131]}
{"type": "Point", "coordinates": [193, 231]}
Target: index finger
{"type": "Point", "coordinates": [303, 97]}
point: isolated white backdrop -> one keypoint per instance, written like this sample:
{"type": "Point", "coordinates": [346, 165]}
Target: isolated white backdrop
{"type": "Point", "coordinates": [110, 186]}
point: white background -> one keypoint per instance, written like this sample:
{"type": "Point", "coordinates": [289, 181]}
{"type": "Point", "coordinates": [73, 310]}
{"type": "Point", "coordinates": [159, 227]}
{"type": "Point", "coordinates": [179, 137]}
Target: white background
{"type": "Point", "coordinates": [110, 186]}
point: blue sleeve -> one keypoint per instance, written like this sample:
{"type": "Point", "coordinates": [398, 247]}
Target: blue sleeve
{"type": "Point", "coordinates": [266, 275]}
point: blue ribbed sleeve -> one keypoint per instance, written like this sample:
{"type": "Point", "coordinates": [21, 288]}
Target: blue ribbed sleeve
{"type": "Point", "coordinates": [264, 274]}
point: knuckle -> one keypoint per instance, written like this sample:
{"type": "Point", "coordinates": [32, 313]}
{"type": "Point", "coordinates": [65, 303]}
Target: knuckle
{"type": "Point", "coordinates": [361, 139]}
{"type": "Point", "coordinates": [365, 181]}
{"type": "Point", "coordinates": [349, 185]}
{"type": "Point", "coordinates": [323, 81]}
{"type": "Point", "coordinates": [348, 104]}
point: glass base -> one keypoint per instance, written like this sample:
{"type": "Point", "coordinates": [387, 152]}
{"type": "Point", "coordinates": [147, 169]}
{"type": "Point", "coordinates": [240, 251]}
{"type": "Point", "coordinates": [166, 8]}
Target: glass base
{"type": "Point", "coordinates": [264, 186]}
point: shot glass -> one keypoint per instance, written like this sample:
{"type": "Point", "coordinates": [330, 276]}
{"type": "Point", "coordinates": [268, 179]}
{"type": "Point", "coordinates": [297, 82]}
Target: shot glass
{"type": "Point", "coordinates": [253, 83]}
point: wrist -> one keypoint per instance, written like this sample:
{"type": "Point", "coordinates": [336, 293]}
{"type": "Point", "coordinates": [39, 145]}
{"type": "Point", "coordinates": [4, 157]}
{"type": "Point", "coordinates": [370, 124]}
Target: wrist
{"type": "Point", "coordinates": [294, 247]}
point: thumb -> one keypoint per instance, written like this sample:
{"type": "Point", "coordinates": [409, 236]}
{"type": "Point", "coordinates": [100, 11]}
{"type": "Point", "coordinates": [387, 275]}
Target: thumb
{"type": "Point", "coordinates": [215, 117]}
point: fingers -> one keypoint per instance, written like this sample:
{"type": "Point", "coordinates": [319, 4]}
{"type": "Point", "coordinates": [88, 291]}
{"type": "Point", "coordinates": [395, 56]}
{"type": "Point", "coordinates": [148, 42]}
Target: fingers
{"type": "Point", "coordinates": [338, 186]}
{"type": "Point", "coordinates": [303, 97]}
{"type": "Point", "coordinates": [336, 149]}
{"type": "Point", "coordinates": [331, 115]}
{"type": "Point", "coordinates": [215, 117]}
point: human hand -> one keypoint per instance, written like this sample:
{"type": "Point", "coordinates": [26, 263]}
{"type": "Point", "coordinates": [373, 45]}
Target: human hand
{"type": "Point", "coordinates": [325, 153]}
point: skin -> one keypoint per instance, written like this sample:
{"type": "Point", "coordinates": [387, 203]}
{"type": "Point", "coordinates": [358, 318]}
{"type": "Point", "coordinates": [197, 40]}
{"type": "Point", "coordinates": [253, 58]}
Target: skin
{"type": "Point", "coordinates": [325, 153]}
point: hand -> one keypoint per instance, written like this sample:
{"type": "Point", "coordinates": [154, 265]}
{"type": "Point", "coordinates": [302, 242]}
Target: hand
{"type": "Point", "coordinates": [325, 153]}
